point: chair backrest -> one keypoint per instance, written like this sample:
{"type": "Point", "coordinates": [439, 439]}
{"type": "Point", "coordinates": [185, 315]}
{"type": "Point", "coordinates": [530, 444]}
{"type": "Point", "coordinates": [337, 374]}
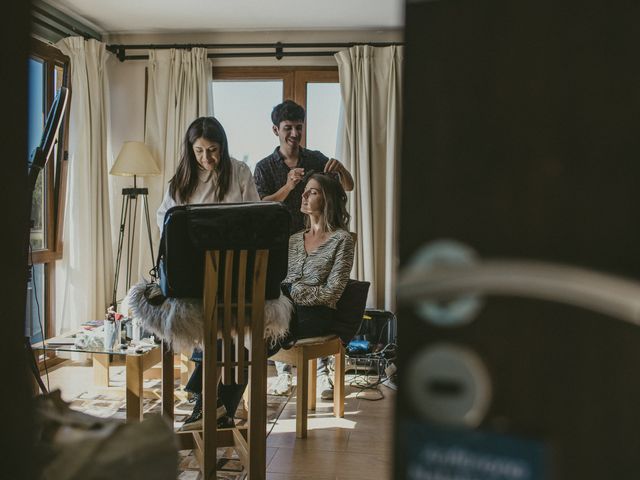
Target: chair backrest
{"type": "Point", "coordinates": [227, 313]}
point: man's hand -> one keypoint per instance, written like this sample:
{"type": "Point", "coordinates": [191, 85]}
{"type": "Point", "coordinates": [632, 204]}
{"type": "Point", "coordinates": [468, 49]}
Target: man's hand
{"type": "Point", "coordinates": [334, 165]}
{"type": "Point", "coordinates": [294, 176]}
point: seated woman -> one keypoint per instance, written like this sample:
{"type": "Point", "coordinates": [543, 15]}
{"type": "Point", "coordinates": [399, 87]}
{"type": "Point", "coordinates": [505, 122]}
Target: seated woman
{"type": "Point", "coordinates": [207, 174]}
{"type": "Point", "coordinates": [320, 258]}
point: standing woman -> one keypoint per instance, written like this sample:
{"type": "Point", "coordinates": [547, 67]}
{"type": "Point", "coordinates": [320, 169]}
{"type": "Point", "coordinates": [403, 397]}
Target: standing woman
{"type": "Point", "coordinates": [207, 174]}
{"type": "Point", "coordinates": [320, 257]}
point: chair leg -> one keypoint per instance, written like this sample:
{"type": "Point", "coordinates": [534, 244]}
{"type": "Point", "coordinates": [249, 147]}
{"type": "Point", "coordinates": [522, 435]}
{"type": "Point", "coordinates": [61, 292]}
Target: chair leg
{"type": "Point", "coordinates": [209, 422]}
{"type": "Point", "coordinates": [338, 384]}
{"type": "Point", "coordinates": [313, 377]}
{"type": "Point", "coordinates": [302, 394]}
{"type": "Point", "coordinates": [257, 413]}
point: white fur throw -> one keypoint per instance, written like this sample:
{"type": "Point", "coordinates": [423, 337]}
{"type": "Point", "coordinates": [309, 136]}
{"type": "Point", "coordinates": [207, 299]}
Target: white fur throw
{"type": "Point", "coordinates": [180, 322]}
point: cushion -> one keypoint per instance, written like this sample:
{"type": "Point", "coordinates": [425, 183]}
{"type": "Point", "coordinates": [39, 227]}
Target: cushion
{"type": "Point", "coordinates": [350, 309]}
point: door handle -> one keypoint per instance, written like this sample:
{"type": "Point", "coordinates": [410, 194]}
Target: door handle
{"type": "Point", "coordinates": [604, 293]}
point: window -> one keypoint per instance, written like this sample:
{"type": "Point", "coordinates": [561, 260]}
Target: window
{"type": "Point", "coordinates": [244, 97]}
{"type": "Point", "coordinates": [47, 73]}
{"type": "Point", "coordinates": [243, 108]}
{"type": "Point", "coordinates": [323, 111]}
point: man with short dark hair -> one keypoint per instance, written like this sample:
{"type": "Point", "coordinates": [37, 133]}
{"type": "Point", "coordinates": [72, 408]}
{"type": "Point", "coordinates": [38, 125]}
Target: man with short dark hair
{"type": "Point", "coordinates": [279, 178]}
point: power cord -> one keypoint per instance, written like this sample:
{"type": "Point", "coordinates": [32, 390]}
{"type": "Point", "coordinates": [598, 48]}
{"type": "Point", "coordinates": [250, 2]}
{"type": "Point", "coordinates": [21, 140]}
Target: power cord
{"type": "Point", "coordinates": [275, 420]}
{"type": "Point", "coordinates": [40, 323]}
{"type": "Point", "coordinates": [379, 359]}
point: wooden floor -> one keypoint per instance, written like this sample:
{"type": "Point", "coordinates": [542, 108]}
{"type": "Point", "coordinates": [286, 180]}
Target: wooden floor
{"type": "Point", "coordinates": [354, 447]}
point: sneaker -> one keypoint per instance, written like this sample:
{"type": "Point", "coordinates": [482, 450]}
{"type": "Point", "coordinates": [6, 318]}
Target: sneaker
{"type": "Point", "coordinates": [194, 421]}
{"type": "Point", "coordinates": [281, 385]}
{"type": "Point", "coordinates": [325, 385]}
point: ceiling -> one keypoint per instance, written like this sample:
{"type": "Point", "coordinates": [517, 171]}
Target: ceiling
{"type": "Point", "coordinates": [170, 16]}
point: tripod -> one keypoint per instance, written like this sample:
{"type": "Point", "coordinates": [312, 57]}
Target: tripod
{"type": "Point", "coordinates": [128, 217]}
{"type": "Point", "coordinates": [37, 161]}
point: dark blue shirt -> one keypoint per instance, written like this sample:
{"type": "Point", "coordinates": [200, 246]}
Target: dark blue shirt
{"type": "Point", "coordinates": [271, 173]}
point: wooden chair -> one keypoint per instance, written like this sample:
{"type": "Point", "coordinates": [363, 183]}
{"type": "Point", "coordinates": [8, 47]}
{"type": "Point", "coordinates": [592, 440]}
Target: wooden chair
{"type": "Point", "coordinates": [224, 296]}
{"type": "Point", "coordinates": [241, 252]}
{"type": "Point", "coordinates": [305, 353]}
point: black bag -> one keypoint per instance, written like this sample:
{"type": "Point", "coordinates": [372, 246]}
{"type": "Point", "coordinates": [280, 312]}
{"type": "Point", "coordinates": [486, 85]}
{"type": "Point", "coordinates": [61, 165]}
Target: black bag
{"type": "Point", "coordinates": [190, 230]}
{"type": "Point", "coordinates": [350, 309]}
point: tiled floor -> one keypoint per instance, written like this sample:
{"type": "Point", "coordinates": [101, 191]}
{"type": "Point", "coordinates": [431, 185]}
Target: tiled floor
{"type": "Point", "coordinates": [354, 447]}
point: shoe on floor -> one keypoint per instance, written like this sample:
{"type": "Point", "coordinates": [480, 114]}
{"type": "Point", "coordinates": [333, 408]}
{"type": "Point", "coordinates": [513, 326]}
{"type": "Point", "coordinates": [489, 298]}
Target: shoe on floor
{"type": "Point", "coordinates": [194, 421]}
{"type": "Point", "coordinates": [325, 385]}
{"type": "Point", "coordinates": [327, 394]}
{"type": "Point", "coordinates": [281, 385]}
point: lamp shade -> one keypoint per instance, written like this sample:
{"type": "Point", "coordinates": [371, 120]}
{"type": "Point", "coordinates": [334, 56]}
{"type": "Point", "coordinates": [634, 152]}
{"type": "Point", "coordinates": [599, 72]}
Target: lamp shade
{"type": "Point", "coordinates": [134, 159]}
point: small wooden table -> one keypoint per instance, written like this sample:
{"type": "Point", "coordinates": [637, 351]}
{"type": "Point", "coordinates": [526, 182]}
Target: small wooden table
{"type": "Point", "coordinates": [135, 365]}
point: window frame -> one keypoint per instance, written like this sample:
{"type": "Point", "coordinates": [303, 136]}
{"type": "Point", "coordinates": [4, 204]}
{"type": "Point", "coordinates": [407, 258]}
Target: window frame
{"type": "Point", "coordinates": [294, 80]}
{"type": "Point", "coordinates": [55, 180]}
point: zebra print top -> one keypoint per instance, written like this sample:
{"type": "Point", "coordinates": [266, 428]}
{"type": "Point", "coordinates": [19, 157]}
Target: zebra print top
{"type": "Point", "coordinates": [319, 278]}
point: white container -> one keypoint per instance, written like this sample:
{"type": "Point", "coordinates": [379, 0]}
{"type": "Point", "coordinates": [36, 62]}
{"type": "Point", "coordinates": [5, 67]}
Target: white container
{"type": "Point", "coordinates": [112, 334]}
{"type": "Point", "coordinates": [136, 330]}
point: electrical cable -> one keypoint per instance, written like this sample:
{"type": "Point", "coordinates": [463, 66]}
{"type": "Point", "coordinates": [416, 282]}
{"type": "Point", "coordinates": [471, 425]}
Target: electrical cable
{"type": "Point", "coordinates": [363, 381]}
{"type": "Point", "coordinates": [40, 323]}
{"type": "Point", "coordinates": [383, 358]}
{"type": "Point", "coordinates": [275, 420]}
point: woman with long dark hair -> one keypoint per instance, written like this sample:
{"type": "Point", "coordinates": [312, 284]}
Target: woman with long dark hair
{"type": "Point", "coordinates": [206, 173]}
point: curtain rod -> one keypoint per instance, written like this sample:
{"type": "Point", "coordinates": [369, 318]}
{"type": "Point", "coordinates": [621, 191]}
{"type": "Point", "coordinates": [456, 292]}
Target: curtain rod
{"type": "Point", "coordinates": [55, 23]}
{"type": "Point", "coordinates": [120, 50]}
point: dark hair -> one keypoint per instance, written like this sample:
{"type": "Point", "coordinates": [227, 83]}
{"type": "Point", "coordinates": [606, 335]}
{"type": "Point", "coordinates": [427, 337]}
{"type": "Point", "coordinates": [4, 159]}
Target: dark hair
{"type": "Point", "coordinates": [287, 110]}
{"type": "Point", "coordinates": [335, 211]}
{"type": "Point", "coordinates": [185, 180]}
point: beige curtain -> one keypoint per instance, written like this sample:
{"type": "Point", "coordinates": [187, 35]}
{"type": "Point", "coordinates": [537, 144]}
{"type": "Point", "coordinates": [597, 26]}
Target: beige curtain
{"type": "Point", "coordinates": [179, 91]}
{"type": "Point", "coordinates": [370, 81]}
{"type": "Point", "coordinates": [84, 276]}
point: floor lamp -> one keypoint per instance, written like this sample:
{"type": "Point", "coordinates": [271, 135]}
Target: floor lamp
{"type": "Point", "coordinates": [134, 160]}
